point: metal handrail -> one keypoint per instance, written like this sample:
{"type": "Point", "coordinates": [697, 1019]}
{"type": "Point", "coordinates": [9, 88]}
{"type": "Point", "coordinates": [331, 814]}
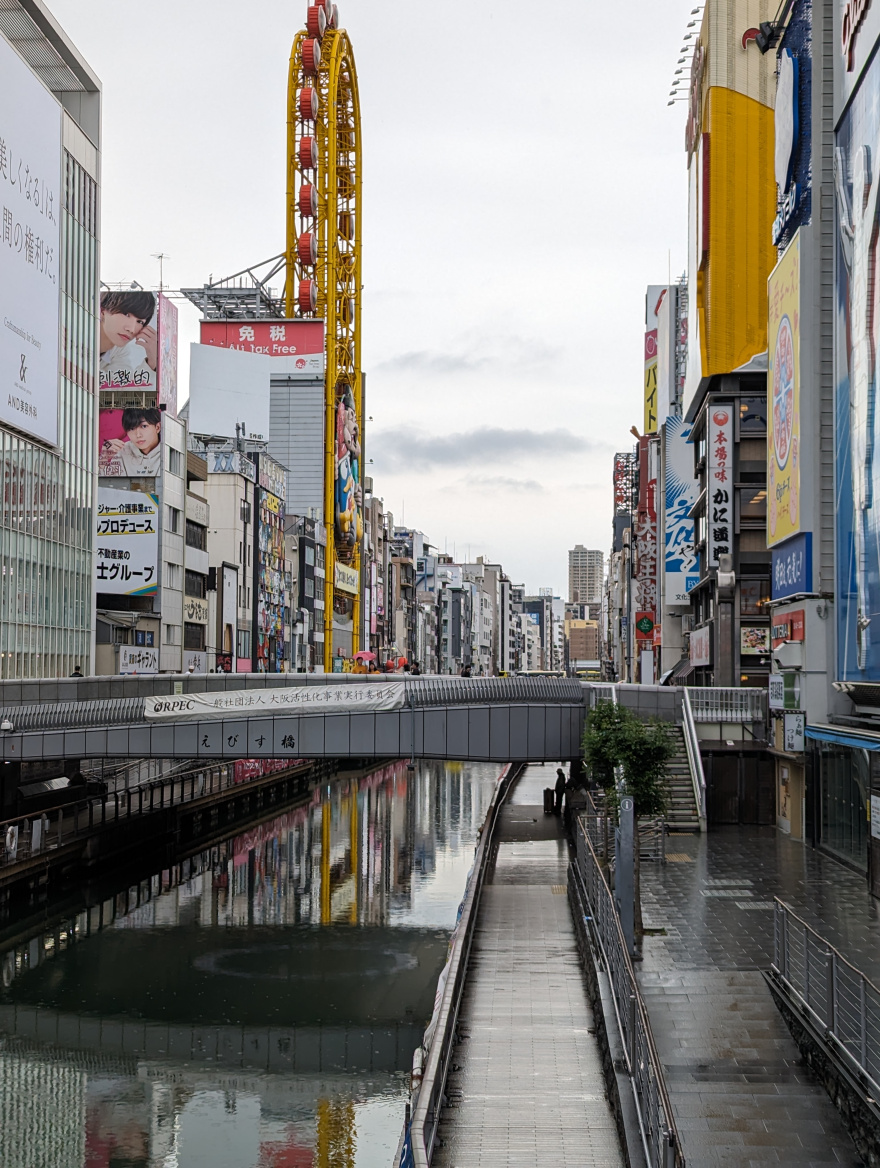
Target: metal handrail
{"type": "Point", "coordinates": [428, 1098]}
{"type": "Point", "coordinates": [695, 759]}
{"type": "Point", "coordinates": [726, 703]}
{"type": "Point", "coordinates": [660, 1139]}
{"type": "Point", "coordinates": [842, 1001]}
{"type": "Point", "coordinates": [421, 692]}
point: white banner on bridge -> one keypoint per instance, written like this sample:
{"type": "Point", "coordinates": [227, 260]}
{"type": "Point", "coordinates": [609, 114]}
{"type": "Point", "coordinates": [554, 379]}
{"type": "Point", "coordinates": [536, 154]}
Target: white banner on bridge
{"type": "Point", "coordinates": [324, 699]}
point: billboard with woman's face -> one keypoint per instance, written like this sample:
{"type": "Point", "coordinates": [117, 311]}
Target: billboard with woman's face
{"type": "Point", "coordinates": [349, 498]}
{"type": "Point", "coordinates": [130, 442]}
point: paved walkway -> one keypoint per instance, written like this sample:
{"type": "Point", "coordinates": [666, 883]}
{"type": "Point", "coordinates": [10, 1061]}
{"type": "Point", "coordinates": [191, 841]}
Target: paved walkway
{"type": "Point", "coordinates": [739, 1089]}
{"type": "Point", "coordinates": [530, 1089]}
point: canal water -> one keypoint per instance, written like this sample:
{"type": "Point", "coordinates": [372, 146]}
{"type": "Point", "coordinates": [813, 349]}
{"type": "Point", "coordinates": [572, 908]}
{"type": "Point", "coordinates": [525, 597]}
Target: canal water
{"type": "Point", "coordinates": [256, 1006]}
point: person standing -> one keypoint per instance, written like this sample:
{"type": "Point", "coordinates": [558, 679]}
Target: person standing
{"type": "Point", "coordinates": [559, 790]}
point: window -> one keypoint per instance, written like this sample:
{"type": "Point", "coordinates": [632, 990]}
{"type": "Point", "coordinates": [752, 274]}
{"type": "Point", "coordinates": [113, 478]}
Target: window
{"type": "Point", "coordinates": [310, 556]}
{"type": "Point", "coordinates": [103, 633]}
{"type": "Point", "coordinates": [121, 635]}
{"type": "Point", "coordinates": [309, 586]}
{"type": "Point", "coordinates": [320, 558]}
{"type": "Point", "coordinates": [754, 596]}
{"type": "Point", "coordinates": [193, 636]}
{"type": "Point", "coordinates": [245, 511]}
{"type": "Point", "coordinates": [175, 462]}
{"type": "Point", "coordinates": [172, 519]}
{"type": "Point", "coordinates": [173, 576]}
{"type": "Point", "coordinates": [195, 584]}
{"type": "Point", "coordinates": [752, 415]}
{"type": "Point", "coordinates": [753, 503]}
{"type": "Point", "coordinates": [196, 536]}
{"type": "Point", "coordinates": [244, 643]}
{"type": "Point", "coordinates": [171, 634]}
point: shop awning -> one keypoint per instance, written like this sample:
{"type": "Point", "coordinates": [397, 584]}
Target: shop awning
{"type": "Point", "coordinates": [857, 739]}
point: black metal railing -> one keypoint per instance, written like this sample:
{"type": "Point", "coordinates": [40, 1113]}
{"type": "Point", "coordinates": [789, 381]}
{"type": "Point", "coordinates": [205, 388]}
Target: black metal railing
{"type": "Point", "coordinates": [660, 1139]}
{"type": "Point", "coordinates": [842, 1001]}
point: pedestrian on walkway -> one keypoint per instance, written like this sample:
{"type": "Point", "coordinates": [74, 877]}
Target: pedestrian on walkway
{"type": "Point", "coordinates": [559, 790]}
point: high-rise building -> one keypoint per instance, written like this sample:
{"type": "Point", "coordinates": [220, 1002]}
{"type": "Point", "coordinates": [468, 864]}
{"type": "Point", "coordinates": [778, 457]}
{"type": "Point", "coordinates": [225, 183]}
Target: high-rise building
{"type": "Point", "coordinates": [586, 569]}
{"type": "Point", "coordinates": [51, 103]}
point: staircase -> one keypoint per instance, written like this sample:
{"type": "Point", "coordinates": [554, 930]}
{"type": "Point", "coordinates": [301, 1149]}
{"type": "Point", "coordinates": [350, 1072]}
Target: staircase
{"type": "Point", "coordinates": [682, 813]}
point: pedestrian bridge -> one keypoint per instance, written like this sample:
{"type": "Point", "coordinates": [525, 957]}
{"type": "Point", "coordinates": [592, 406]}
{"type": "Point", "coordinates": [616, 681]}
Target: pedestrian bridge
{"type": "Point", "coordinates": [230, 716]}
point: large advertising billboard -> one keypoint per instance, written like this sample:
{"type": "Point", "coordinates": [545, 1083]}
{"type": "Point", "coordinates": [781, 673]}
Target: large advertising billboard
{"type": "Point", "coordinates": [681, 488]}
{"type": "Point", "coordinates": [167, 371]}
{"type": "Point", "coordinates": [129, 341]}
{"type": "Point", "coordinates": [300, 341]}
{"type": "Point", "coordinates": [130, 442]}
{"type": "Point", "coordinates": [783, 387]}
{"type": "Point", "coordinates": [349, 498]}
{"type": "Point", "coordinates": [127, 543]}
{"type": "Point", "coordinates": [30, 205]}
{"type": "Point", "coordinates": [857, 189]}
{"type": "Point", "coordinates": [228, 389]}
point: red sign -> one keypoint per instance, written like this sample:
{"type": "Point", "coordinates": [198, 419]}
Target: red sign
{"type": "Point", "coordinates": [789, 627]}
{"type": "Point", "coordinates": [274, 338]}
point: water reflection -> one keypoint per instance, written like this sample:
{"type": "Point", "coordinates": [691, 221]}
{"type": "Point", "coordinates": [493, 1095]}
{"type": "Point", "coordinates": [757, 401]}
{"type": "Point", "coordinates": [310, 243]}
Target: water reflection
{"type": "Point", "coordinates": [258, 1004]}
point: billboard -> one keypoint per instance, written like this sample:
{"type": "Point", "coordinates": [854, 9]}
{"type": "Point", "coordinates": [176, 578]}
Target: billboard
{"type": "Point", "coordinates": [680, 494]}
{"type": "Point", "coordinates": [129, 340]}
{"type": "Point", "coordinates": [719, 483]}
{"type": "Point", "coordinates": [228, 388]}
{"type": "Point", "coordinates": [349, 498]}
{"type": "Point", "coordinates": [792, 567]}
{"type": "Point", "coordinates": [127, 543]}
{"type": "Point", "coordinates": [137, 659]}
{"type": "Point", "coordinates": [654, 298]}
{"type": "Point", "coordinates": [301, 341]}
{"type": "Point", "coordinates": [855, 350]}
{"type": "Point", "coordinates": [167, 372]}
{"type": "Point", "coordinates": [783, 385]}
{"type": "Point", "coordinates": [130, 442]}
{"type": "Point", "coordinates": [30, 204]}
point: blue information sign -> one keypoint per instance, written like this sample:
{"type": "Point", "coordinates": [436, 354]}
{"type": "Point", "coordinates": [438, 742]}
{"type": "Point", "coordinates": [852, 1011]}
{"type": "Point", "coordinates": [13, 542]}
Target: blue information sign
{"type": "Point", "coordinates": [793, 566]}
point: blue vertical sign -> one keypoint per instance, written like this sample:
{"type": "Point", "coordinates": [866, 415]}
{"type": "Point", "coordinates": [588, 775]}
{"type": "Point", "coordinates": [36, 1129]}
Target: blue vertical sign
{"type": "Point", "coordinates": [680, 495]}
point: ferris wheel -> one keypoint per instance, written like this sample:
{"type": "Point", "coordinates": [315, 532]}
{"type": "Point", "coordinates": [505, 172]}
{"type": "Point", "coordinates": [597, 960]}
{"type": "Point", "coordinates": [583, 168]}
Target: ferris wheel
{"type": "Point", "coordinates": [324, 267]}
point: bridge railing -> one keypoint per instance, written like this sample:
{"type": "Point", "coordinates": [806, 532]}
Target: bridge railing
{"type": "Point", "coordinates": [819, 983]}
{"type": "Point", "coordinates": [726, 704]}
{"type": "Point", "coordinates": [660, 1139]}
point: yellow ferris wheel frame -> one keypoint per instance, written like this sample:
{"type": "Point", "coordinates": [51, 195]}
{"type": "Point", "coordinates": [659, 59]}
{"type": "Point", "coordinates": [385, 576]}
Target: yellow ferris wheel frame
{"type": "Point", "coordinates": [337, 271]}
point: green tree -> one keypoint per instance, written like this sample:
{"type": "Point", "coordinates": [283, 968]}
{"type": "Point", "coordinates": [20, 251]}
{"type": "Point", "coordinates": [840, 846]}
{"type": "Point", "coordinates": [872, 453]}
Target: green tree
{"type": "Point", "coordinates": [617, 743]}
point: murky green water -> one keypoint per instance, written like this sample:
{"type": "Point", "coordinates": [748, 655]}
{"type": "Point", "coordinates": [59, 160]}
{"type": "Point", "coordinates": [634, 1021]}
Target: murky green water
{"type": "Point", "coordinates": [254, 1007]}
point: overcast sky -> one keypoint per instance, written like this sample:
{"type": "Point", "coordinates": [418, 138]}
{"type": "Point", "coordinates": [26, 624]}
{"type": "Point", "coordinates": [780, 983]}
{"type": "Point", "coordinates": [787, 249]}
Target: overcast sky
{"type": "Point", "coordinates": [524, 180]}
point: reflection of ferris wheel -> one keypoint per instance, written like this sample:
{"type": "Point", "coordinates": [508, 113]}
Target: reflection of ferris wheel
{"type": "Point", "coordinates": [324, 241]}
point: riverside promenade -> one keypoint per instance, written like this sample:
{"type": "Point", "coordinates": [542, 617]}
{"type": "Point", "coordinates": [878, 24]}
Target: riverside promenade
{"type": "Point", "coordinates": [528, 1086]}
{"type": "Point", "coordinates": [740, 1091]}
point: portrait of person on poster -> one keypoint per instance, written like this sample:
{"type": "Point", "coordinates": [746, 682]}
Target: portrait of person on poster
{"type": "Point", "coordinates": [129, 340]}
{"type": "Point", "coordinates": [349, 522]}
{"type": "Point", "coordinates": [130, 442]}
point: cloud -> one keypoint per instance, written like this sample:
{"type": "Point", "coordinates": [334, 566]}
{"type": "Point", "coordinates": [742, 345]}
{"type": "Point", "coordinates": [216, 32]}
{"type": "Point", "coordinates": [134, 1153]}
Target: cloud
{"type": "Point", "coordinates": [403, 448]}
{"type": "Point", "coordinates": [502, 483]}
{"type": "Point", "coordinates": [433, 364]}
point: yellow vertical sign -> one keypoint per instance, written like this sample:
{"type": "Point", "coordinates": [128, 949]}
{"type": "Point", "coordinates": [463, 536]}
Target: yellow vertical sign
{"type": "Point", "coordinates": [783, 397]}
{"type": "Point", "coordinates": [651, 382]}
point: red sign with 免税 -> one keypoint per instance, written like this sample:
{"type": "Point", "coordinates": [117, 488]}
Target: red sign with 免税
{"type": "Point", "coordinates": [273, 338]}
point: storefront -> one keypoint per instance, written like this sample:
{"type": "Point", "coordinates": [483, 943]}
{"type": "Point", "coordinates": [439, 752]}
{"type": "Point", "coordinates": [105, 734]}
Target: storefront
{"type": "Point", "coordinates": [845, 769]}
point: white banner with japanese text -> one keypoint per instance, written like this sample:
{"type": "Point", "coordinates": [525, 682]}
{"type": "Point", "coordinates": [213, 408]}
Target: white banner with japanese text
{"type": "Point", "coordinates": [371, 697]}
{"type": "Point", "coordinates": [127, 543]}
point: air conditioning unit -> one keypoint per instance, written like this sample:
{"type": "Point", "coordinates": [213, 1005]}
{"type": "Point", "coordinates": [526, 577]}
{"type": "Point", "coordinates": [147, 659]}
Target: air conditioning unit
{"type": "Point", "coordinates": [687, 623]}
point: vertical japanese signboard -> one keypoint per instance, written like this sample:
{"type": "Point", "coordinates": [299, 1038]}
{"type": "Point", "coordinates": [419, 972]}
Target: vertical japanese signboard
{"type": "Point", "coordinates": [127, 543]}
{"type": "Point", "coordinates": [783, 385]}
{"type": "Point", "coordinates": [651, 381]}
{"type": "Point", "coordinates": [168, 355]}
{"type": "Point", "coordinates": [681, 489]}
{"type": "Point", "coordinates": [30, 205]}
{"type": "Point", "coordinates": [719, 497]}
{"type": "Point", "coordinates": [645, 567]}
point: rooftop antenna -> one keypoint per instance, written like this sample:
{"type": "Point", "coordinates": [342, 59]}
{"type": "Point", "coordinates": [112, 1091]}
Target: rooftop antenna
{"type": "Point", "coordinates": [161, 256]}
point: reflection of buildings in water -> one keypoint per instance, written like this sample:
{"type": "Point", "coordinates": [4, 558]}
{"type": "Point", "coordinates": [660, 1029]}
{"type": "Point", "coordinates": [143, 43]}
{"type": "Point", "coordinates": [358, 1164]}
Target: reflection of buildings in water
{"type": "Point", "coordinates": [41, 1113]}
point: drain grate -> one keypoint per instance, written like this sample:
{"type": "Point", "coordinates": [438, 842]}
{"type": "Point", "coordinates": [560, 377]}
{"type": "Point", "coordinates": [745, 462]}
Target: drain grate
{"type": "Point", "coordinates": [679, 858]}
{"type": "Point", "coordinates": [559, 889]}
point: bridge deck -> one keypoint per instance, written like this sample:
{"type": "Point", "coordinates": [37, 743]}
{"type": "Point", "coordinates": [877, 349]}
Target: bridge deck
{"type": "Point", "coordinates": [530, 1089]}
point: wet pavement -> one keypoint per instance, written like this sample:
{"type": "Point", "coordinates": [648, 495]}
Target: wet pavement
{"type": "Point", "coordinates": [530, 1089]}
{"type": "Point", "coordinates": [740, 1092]}
{"type": "Point", "coordinates": [257, 1004]}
